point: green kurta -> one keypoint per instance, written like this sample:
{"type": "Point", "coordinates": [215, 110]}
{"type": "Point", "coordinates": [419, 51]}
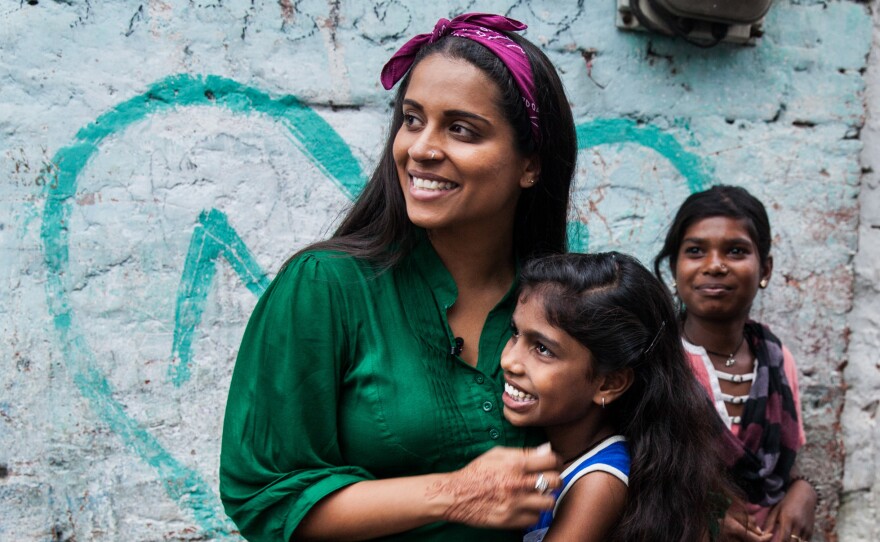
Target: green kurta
{"type": "Point", "coordinates": [345, 374]}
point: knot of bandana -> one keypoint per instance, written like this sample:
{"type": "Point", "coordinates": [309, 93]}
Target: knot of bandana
{"type": "Point", "coordinates": [484, 29]}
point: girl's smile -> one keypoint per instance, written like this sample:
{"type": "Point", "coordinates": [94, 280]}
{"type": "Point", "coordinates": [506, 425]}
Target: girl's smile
{"type": "Point", "coordinates": [547, 373]}
{"type": "Point", "coordinates": [517, 399]}
{"type": "Point", "coordinates": [718, 269]}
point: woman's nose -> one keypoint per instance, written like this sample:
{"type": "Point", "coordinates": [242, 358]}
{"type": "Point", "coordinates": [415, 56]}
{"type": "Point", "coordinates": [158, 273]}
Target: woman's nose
{"type": "Point", "coordinates": [426, 148]}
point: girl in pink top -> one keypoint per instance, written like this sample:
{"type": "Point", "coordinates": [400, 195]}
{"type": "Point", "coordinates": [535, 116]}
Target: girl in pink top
{"type": "Point", "coordinates": [718, 250]}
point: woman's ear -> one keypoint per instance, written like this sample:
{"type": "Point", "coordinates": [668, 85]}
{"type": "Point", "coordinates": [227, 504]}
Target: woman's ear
{"type": "Point", "coordinates": [613, 385]}
{"type": "Point", "coordinates": [532, 172]}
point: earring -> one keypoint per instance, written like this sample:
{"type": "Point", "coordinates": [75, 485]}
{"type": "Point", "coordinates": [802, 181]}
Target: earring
{"type": "Point", "coordinates": [532, 180]}
{"type": "Point", "coordinates": [674, 288]}
{"type": "Point", "coordinates": [763, 283]}
{"type": "Point", "coordinates": [603, 401]}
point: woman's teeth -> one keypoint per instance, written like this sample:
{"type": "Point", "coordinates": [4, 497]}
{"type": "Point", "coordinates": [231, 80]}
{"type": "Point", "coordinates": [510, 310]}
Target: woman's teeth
{"type": "Point", "coordinates": [426, 184]}
{"type": "Point", "coordinates": [518, 394]}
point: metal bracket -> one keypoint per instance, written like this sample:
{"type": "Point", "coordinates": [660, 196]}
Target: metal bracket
{"type": "Point", "coordinates": [743, 34]}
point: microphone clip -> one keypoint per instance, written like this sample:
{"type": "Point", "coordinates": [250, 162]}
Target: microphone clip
{"type": "Point", "coordinates": [457, 347]}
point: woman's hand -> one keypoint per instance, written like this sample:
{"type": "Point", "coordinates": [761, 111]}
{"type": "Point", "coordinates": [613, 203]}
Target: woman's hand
{"type": "Point", "coordinates": [793, 517]}
{"type": "Point", "coordinates": [498, 488]}
{"type": "Point", "coordinates": [740, 526]}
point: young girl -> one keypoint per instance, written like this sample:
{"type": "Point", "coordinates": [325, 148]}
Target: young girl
{"type": "Point", "coordinates": [594, 358]}
{"type": "Point", "coordinates": [718, 248]}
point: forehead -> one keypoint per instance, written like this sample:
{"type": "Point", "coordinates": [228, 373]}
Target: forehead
{"type": "Point", "coordinates": [453, 84]}
{"type": "Point", "coordinates": [530, 303]}
{"type": "Point", "coordinates": [719, 228]}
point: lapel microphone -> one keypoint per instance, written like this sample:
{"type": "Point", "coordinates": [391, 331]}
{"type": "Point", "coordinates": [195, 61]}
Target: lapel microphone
{"type": "Point", "coordinates": [457, 347]}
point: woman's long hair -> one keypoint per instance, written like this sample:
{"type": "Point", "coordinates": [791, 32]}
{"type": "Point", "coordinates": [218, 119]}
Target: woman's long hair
{"type": "Point", "coordinates": [377, 227]}
{"type": "Point", "coordinates": [616, 308]}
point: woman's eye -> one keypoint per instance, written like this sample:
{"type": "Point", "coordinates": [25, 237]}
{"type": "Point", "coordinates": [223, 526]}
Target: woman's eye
{"type": "Point", "coordinates": [691, 250]}
{"type": "Point", "coordinates": [410, 120]}
{"type": "Point", "coordinates": [463, 131]}
{"type": "Point", "coordinates": [513, 331]}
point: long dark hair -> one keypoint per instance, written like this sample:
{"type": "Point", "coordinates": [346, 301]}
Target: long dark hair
{"type": "Point", "coordinates": [611, 304]}
{"type": "Point", "coordinates": [720, 200]}
{"type": "Point", "coordinates": [377, 226]}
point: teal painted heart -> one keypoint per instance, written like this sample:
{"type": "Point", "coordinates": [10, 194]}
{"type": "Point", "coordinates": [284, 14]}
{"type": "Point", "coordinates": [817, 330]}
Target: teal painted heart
{"type": "Point", "coordinates": [214, 237]}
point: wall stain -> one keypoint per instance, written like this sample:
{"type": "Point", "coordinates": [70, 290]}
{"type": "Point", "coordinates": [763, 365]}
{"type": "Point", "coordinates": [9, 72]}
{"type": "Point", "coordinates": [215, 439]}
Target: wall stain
{"type": "Point", "coordinates": [287, 11]}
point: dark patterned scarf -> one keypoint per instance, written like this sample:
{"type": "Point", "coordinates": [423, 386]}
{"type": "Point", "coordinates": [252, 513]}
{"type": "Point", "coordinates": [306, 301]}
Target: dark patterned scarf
{"type": "Point", "coordinates": [762, 457]}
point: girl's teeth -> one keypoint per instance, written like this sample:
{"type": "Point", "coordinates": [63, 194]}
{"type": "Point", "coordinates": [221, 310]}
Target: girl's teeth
{"type": "Point", "coordinates": [518, 394]}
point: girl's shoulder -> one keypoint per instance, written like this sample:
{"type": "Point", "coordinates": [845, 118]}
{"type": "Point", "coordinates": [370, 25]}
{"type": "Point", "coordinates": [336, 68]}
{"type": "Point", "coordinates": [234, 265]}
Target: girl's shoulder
{"type": "Point", "coordinates": [610, 456]}
{"type": "Point", "coordinates": [594, 494]}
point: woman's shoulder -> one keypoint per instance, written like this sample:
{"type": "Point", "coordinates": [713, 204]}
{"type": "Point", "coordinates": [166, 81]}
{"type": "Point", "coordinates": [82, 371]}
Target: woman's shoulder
{"type": "Point", "coordinates": [316, 277]}
{"type": "Point", "coordinates": [330, 265]}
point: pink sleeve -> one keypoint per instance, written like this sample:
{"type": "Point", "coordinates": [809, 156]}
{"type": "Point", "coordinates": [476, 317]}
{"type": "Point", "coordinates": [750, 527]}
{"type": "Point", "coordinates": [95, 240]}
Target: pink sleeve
{"type": "Point", "coordinates": [790, 370]}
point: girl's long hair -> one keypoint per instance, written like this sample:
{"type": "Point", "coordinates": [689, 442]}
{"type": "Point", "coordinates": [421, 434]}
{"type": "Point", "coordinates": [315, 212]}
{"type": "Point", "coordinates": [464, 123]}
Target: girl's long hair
{"type": "Point", "coordinates": [616, 308]}
{"type": "Point", "coordinates": [377, 227]}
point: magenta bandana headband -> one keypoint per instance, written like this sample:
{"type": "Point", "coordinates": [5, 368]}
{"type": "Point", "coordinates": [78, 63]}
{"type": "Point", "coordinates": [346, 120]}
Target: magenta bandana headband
{"type": "Point", "coordinates": [483, 29]}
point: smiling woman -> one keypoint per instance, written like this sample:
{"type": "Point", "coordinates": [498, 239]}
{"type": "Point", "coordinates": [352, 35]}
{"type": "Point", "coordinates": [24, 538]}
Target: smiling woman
{"type": "Point", "coordinates": [364, 402]}
{"type": "Point", "coordinates": [453, 154]}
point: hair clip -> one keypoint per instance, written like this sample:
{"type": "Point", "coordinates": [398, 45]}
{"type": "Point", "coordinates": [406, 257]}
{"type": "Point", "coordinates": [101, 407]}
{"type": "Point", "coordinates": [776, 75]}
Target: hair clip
{"type": "Point", "coordinates": [656, 337]}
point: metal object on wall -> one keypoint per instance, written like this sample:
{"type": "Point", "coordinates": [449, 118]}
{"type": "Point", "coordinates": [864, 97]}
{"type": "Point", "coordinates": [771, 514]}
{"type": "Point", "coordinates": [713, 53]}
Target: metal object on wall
{"type": "Point", "coordinates": [704, 23]}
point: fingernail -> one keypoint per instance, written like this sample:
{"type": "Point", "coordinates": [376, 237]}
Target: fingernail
{"type": "Point", "coordinates": [543, 449]}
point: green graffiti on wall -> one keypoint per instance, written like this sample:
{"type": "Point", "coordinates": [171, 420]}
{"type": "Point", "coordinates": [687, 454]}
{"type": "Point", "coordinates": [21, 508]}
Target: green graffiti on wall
{"type": "Point", "coordinates": [310, 133]}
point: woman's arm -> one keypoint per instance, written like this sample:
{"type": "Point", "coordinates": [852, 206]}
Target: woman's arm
{"type": "Point", "coordinates": [496, 490]}
{"type": "Point", "coordinates": [590, 509]}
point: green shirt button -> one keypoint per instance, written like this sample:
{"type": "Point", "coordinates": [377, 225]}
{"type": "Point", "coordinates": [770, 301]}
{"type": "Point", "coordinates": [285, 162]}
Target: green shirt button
{"type": "Point", "coordinates": [479, 379]}
{"type": "Point", "coordinates": [494, 434]}
{"type": "Point", "coordinates": [487, 406]}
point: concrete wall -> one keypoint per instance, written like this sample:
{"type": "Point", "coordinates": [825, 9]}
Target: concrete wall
{"type": "Point", "coordinates": [160, 160]}
{"type": "Point", "coordinates": [859, 512]}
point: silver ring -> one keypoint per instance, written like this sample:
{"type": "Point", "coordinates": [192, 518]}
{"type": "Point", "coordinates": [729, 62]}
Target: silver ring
{"type": "Point", "coordinates": [541, 484]}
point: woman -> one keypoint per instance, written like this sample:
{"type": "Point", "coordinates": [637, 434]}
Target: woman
{"type": "Point", "coordinates": [718, 249]}
{"type": "Point", "coordinates": [364, 402]}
